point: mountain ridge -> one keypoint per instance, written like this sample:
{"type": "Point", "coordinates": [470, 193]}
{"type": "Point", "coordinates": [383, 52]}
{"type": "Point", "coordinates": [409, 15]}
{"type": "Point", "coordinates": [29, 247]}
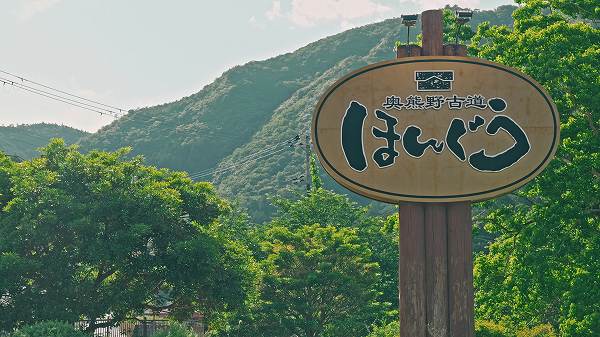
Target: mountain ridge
{"type": "Point", "coordinates": [234, 130]}
{"type": "Point", "coordinates": [23, 140]}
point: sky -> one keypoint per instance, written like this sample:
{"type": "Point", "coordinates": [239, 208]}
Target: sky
{"type": "Point", "coordinates": [136, 53]}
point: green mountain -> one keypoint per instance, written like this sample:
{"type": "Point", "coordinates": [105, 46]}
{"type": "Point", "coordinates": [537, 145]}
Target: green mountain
{"type": "Point", "coordinates": [24, 140]}
{"type": "Point", "coordinates": [234, 131]}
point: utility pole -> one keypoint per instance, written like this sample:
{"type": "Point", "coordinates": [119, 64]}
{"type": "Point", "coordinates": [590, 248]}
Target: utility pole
{"type": "Point", "coordinates": [307, 176]}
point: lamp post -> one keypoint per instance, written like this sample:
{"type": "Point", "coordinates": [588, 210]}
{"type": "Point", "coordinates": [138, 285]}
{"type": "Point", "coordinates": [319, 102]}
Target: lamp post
{"type": "Point", "coordinates": [462, 17]}
{"type": "Point", "coordinates": [409, 21]}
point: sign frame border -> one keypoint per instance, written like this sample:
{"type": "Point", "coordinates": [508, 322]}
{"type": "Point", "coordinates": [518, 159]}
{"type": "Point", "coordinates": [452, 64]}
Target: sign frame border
{"type": "Point", "coordinates": [391, 197]}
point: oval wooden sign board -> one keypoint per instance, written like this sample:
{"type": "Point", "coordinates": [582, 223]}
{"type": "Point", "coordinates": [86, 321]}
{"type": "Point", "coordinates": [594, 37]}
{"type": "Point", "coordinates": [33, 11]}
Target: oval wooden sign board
{"type": "Point", "coordinates": [435, 129]}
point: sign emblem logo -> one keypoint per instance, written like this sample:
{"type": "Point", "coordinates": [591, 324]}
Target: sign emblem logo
{"type": "Point", "coordinates": [434, 80]}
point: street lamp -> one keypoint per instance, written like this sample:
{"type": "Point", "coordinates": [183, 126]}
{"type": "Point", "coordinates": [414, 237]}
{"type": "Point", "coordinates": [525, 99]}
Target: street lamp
{"type": "Point", "coordinates": [462, 17]}
{"type": "Point", "coordinates": [409, 21]}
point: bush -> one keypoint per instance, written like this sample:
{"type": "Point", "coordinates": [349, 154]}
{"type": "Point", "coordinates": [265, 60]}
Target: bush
{"type": "Point", "coordinates": [390, 330]}
{"type": "Point", "coordinates": [544, 330]}
{"type": "Point", "coordinates": [482, 329]}
{"type": "Point", "coordinates": [176, 330]}
{"type": "Point", "coordinates": [49, 329]}
{"type": "Point", "coordinates": [490, 329]}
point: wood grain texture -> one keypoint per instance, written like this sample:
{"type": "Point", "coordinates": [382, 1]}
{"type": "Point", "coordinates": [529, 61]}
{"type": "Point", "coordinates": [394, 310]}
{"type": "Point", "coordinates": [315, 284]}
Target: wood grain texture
{"type": "Point", "coordinates": [408, 51]}
{"type": "Point", "coordinates": [436, 229]}
{"type": "Point", "coordinates": [432, 29]}
{"type": "Point", "coordinates": [412, 274]}
{"type": "Point", "coordinates": [460, 270]}
{"type": "Point", "coordinates": [436, 266]}
{"type": "Point", "coordinates": [455, 50]}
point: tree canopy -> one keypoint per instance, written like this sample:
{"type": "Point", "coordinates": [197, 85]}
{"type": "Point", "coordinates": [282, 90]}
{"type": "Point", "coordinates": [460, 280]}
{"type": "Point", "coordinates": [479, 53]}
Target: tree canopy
{"type": "Point", "coordinates": [97, 235]}
{"type": "Point", "coordinates": [543, 267]}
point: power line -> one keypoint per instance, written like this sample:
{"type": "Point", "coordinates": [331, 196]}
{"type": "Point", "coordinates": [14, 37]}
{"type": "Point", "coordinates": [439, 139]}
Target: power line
{"type": "Point", "coordinates": [290, 142]}
{"type": "Point", "coordinates": [16, 85]}
{"type": "Point", "coordinates": [243, 161]}
{"type": "Point", "coordinates": [270, 148]}
{"type": "Point", "coordinates": [61, 91]}
{"type": "Point", "coordinates": [239, 164]}
{"type": "Point", "coordinates": [22, 86]}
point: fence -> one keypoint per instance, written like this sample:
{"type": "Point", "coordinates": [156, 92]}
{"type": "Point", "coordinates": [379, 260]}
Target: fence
{"type": "Point", "coordinates": [138, 327]}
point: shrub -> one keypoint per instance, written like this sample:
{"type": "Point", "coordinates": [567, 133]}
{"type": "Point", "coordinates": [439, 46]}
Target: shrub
{"type": "Point", "coordinates": [490, 329]}
{"type": "Point", "coordinates": [49, 329]}
{"type": "Point", "coordinates": [482, 329]}
{"type": "Point", "coordinates": [544, 330]}
{"type": "Point", "coordinates": [390, 330]}
{"type": "Point", "coordinates": [176, 330]}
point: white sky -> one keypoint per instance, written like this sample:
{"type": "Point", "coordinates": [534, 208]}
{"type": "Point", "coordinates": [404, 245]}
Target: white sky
{"type": "Point", "coordinates": [136, 53]}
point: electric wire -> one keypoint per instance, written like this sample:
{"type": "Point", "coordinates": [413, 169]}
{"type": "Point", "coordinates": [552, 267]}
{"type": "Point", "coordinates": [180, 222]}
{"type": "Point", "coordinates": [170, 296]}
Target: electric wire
{"type": "Point", "coordinates": [239, 164]}
{"type": "Point", "coordinates": [61, 91]}
{"type": "Point", "coordinates": [23, 86]}
{"type": "Point", "coordinates": [58, 99]}
{"type": "Point", "coordinates": [271, 148]}
{"type": "Point", "coordinates": [221, 169]}
{"type": "Point", "coordinates": [287, 142]}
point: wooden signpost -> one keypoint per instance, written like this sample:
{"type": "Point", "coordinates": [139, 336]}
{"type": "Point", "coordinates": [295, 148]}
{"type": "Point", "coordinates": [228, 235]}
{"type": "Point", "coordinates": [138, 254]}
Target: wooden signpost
{"type": "Point", "coordinates": [433, 131]}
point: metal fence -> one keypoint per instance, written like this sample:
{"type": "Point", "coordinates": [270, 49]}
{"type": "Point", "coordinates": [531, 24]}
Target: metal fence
{"type": "Point", "coordinates": [138, 327]}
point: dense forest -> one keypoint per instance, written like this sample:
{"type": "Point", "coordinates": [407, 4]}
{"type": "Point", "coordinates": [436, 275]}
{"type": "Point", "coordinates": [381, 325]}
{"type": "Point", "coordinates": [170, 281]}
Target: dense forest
{"type": "Point", "coordinates": [121, 236]}
{"type": "Point", "coordinates": [24, 140]}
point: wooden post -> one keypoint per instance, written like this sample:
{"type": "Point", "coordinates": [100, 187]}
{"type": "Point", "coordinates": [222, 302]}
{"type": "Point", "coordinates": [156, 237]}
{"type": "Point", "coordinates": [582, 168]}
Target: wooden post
{"type": "Point", "coordinates": [408, 51]}
{"type": "Point", "coordinates": [411, 271]}
{"type": "Point", "coordinates": [432, 28]}
{"type": "Point", "coordinates": [460, 269]}
{"type": "Point", "coordinates": [436, 265]}
{"type": "Point", "coordinates": [460, 254]}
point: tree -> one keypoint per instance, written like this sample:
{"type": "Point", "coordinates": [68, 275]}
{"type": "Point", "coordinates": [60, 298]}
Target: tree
{"type": "Point", "coordinates": [48, 329]}
{"type": "Point", "coordinates": [389, 330]}
{"type": "Point", "coordinates": [329, 208]}
{"type": "Point", "coordinates": [96, 235]}
{"type": "Point", "coordinates": [319, 281]}
{"type": "Point", "coordinates": [544, 267]}
{"type": "Point", "coordinates": [327, 238]}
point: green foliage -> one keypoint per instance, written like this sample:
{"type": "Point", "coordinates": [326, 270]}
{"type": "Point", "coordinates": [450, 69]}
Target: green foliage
{"type": "Point", "coordinates": [320, 206]}
{"type": "Point", "coordinates": [325, 207]}
{"type": "Point", "coordinates": [48, 329]}
{"type": "Point", "coordinates": [544, 330]}
{"type": "Point", "coordinates": [319, 281]}
{"type": "Point", "coordinates": [490, 329]}
{"type": "Point", "coordinates": [390, 330]}
{"type": "Point", "coordinates": [453, 31]}
{"type": "Point", "coordinates": [316, 181]}
{"type": "Point", "coordinates": [175, 330]}
{"type": "Point", "coordinates": [328, 269]}
{"type": "Point", "coordinates": [96, 234]}
{"type": "Point", "coordinates": [24, 140]}
{"type": "Point", "coordinates": [482, 329]}
{"type": "Point", "coordinates": [543, 267]}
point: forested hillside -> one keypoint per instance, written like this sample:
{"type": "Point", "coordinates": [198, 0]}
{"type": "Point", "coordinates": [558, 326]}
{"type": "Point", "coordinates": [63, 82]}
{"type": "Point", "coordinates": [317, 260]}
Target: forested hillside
{"type": "Point", "coordinates": [239, 123]}
{"type": "Point", "coordinates": [24, 140]}
{"type": "Point", "coordinates": [101, 234]}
